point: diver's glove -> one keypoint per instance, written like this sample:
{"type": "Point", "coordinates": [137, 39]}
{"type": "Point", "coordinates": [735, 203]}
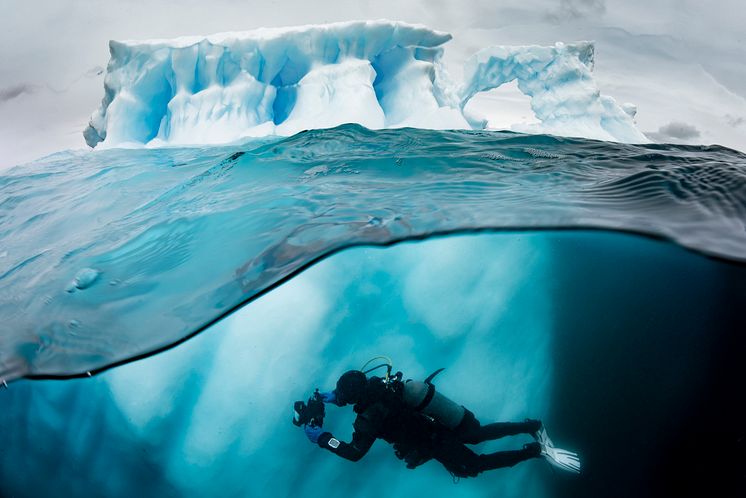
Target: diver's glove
{"type": "Point", "coordinates": [313, 433]}
{"type": "Point", "coordinates": [330, 397]}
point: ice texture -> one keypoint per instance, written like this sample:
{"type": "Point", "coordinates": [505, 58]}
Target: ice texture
{"type": "Point", "coordinates": [527, 325]}
{"type": "Point", "coordinates": [380, 74]}
{"type": "Point", "coordinates": [212, 417]}
{"type": "Point", "coordinates": [224, 87]}
{"type": "Point", "coordinates": [563, 94]}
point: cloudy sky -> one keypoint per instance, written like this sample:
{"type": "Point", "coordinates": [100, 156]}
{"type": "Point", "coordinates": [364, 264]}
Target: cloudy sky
{"type": "Point", "coordinates": [683, 62]}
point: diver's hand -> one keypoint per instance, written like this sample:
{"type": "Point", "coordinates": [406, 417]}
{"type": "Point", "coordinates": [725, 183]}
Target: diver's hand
{"type": "Point", "coordinates": [313, 433]}
{"type": "Point", "coordinates": [329, 397]}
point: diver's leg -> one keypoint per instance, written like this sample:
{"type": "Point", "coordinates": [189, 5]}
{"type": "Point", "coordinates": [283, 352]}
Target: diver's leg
{"type": "Point", "coordinates": [457, 458]}
{"type": "Point", "coordinates": [502, 429]}
{"type": "Point", "coordinates": [501, 459]}
{"type": "Point", "coordinates": [470, 431]}
{"type": "Point", "coordinates": [462, 462]}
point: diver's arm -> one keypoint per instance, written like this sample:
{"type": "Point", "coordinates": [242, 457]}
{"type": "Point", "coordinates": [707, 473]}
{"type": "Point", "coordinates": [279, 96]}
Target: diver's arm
{"type": "Point", "coordinates": [362, 439]}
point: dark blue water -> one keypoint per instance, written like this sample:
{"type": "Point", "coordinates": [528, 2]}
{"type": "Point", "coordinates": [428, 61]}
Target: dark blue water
{"type": "Point", "coordinates": [599, 287]}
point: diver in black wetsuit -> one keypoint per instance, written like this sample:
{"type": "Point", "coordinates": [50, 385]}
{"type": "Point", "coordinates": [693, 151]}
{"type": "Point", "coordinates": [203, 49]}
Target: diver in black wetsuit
{"type": "Point", "coordinates": [421, 424]}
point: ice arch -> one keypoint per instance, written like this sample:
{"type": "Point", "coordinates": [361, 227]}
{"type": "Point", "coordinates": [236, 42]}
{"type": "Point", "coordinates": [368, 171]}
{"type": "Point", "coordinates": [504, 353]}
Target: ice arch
{"type": "Point", "coordinates": [501, 108]}
{"type": "Point", "coordinates": [564, 95]}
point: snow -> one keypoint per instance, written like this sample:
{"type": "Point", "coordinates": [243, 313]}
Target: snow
{"type": "Point", "coordinates": [380, 74]}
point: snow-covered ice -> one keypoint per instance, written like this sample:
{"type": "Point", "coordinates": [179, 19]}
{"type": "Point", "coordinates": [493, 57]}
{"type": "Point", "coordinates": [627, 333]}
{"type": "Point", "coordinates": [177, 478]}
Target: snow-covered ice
{"type": "Point", "coordinates": [380, 74]}
{"type": "Point", "coordinates": [564, 96]}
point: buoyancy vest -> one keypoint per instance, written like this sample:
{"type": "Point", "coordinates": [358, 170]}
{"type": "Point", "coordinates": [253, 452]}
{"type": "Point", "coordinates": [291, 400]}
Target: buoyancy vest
{"type": "Point", "coordinates": [420, 396]}
{"type": "Point", "coordinates": [411, 415]}
{"type": "Point", "coordinates": [394, 421]}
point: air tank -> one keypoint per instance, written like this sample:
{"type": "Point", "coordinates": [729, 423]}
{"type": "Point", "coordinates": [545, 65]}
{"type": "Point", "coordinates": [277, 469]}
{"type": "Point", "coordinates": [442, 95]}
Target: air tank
{"type": "Point", "coordinates": [426, 399]}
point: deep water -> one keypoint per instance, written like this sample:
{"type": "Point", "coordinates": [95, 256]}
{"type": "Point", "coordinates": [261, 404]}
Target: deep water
{"type": "Point", "coordinates": [599, 287]}
{"type": "Point", "coordinates": [628, 348]}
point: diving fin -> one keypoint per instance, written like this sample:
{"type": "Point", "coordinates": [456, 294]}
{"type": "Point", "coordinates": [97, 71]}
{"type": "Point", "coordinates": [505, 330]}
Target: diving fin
{"type": "Point", "coordinates": [559, 458]}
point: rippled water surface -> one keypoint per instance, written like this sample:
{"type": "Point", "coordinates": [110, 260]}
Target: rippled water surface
{"type": "Point", "coordinates": [114, 254]}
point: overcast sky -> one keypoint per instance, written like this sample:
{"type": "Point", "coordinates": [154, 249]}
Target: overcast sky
{"type": "Point", "coordinates": [683, 62]}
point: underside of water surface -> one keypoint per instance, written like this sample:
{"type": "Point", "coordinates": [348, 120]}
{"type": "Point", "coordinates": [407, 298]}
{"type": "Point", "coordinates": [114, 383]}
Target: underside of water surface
{"type": "Point", "coordinates": [628, 348]}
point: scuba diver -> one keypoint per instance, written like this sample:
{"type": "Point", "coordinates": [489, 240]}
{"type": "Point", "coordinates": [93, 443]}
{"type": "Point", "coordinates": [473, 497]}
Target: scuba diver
{"type": "Point", "coordinates": [421, 424]}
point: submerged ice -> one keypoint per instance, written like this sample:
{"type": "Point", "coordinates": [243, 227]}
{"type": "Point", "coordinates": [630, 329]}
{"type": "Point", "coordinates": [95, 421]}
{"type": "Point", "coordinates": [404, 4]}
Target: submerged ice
{"type": "Point", "coordinates": [578, 329]}
{"type": "Point", "coordinates": [213, 417]}
{"type": "Point", "coordinates": [379, 74]}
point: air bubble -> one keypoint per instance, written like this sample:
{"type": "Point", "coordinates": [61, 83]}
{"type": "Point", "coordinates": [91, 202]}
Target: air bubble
{"type": "Point", "coordinates": [83, 279]}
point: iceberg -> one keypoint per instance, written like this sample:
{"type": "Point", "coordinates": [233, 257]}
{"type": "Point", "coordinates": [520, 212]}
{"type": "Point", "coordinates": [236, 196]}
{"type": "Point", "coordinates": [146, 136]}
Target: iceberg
{"type": "Point", "coordinates": [225, 87]}
{"type": "Point", "coordinates": [163, 307]}
{"type": "Point", "coordinates": [563, 94]}
{"type": "Point", "coordinates": [380, 74]}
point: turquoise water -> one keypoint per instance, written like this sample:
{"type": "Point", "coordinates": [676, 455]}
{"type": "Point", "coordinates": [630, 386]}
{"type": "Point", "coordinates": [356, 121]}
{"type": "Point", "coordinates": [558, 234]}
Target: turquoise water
{"type": "Point", "coordinates": [97, 245]}
{"type": "Point", "coordinates": [597, 286]}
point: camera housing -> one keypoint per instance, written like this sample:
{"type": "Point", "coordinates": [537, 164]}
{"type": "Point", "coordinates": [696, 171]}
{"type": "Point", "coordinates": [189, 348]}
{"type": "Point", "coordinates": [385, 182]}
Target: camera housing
{"type": "Point", "coordinates": [311, 413]}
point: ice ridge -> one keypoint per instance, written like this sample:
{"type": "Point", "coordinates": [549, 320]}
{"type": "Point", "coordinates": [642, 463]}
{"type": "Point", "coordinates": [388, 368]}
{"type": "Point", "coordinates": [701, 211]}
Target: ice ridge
{"type": "Point", "coordinates": [380, 74]}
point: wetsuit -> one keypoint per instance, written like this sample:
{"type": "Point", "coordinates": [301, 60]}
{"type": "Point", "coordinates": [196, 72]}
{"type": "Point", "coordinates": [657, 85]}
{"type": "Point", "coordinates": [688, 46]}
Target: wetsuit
{"type": "Point", "coordinates": [417, 438]}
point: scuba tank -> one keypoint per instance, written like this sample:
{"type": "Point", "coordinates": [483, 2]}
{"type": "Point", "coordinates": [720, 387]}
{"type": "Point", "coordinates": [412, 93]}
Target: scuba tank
{"type": "Point", "coordinates": [423, 397]}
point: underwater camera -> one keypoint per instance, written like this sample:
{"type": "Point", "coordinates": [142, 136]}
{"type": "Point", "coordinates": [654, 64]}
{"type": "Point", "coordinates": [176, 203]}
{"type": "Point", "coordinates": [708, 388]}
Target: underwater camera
{"type": "Point", "coordinates": [311, 413]}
